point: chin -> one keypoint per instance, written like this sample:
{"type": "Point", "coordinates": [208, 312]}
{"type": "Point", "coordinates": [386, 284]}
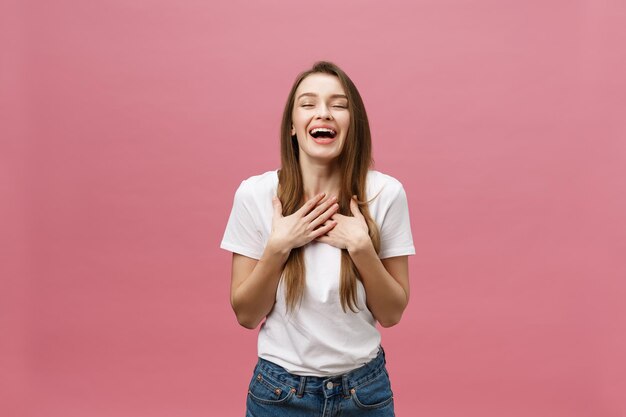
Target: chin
{"type": "Point", "coordinates": [326, 157]}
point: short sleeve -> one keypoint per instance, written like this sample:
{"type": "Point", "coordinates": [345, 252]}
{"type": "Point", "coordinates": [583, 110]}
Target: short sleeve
{"type": "Point", "coordinates": [242, 234]}
{"type": "Point", "coordinates": [396, 238]}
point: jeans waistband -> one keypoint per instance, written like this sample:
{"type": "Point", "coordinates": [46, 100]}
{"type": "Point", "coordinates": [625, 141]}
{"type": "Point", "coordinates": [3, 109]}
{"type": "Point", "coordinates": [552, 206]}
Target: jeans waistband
{"type": "Point", "coordinates": [330, 385]}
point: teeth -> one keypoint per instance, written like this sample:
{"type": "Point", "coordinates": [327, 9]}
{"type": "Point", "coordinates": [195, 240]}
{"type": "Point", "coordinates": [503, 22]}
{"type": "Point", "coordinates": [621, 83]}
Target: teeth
{"type": "Point", "coordinates": [322, 129]}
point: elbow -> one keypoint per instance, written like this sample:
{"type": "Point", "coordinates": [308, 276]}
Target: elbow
{"type": "Point", "coordinates": [244, 320]}
{"type": "Point", "coordinates": [247, 322]}
{"type": "Point", "coordinates": [390, 321]}
{"type": "Point", "coordinates": [393, 317]}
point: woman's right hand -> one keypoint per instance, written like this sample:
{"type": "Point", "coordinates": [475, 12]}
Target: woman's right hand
{"type": "Point", "coordinates": [301, 227]}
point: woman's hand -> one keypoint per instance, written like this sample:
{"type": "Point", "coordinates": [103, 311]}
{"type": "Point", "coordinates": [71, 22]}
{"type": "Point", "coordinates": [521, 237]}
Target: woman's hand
{"type": "Point", "coordinates": [350, 232]}
{"type": "Point", "coordinates": [301, 227]}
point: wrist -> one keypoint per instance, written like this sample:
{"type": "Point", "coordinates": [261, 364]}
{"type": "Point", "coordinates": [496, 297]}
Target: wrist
{"type": "Point", "coordinates": [277, 247]}
{"type": "Point", "coordinates": [359, 244]}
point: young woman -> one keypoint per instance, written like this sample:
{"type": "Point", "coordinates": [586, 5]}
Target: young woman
{"type": "Point", "coordinates": [320, 252]}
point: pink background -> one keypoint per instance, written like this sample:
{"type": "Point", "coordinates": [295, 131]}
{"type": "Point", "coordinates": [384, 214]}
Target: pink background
{"type": "Point", "coordinates": [126, 127]}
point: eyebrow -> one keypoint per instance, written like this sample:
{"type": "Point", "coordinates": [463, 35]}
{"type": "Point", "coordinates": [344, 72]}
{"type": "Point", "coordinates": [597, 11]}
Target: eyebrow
{"type": "Point", "coordinates": [315, 95]}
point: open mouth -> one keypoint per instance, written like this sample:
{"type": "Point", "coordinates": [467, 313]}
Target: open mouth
{"type": "Point", "coordinates": [322, 133]}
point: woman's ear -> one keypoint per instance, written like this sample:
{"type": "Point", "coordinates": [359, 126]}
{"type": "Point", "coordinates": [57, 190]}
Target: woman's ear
{"type": "Point", "coordinates": [293, 130]}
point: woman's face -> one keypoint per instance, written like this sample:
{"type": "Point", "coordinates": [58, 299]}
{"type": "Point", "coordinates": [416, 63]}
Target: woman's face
{"type": "Point", "coordinates": [320, 117]}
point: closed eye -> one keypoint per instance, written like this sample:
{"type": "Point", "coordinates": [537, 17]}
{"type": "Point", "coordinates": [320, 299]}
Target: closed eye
{"type": "Point", "coordinates": [337, 106]}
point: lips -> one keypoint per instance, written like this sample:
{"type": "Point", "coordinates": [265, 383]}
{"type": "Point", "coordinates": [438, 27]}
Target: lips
{"type": "Point", "coordinates": [323, 131]}
{"type": "Point", "coordinates": [324, 141]}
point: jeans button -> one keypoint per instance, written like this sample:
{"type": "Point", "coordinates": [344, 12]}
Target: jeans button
{"type": "Point", "coordinates": [329, 385]}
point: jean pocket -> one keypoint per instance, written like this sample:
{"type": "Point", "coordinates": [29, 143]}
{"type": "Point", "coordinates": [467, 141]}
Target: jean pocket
{"type": "Point", "coordinates": [266, 390]}
{"type": "Point", "coordinates": [375, 393]}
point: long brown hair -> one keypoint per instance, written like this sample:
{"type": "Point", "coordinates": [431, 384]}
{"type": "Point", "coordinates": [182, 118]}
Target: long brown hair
{"type": "Point", "coordinates": [354, 162]}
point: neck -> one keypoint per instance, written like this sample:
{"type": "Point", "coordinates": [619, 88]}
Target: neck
{"type": "Point", "coordinates": [320, 178]}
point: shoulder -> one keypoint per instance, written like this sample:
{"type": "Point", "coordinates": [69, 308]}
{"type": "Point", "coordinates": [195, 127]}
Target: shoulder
{"type": "Point", "coordinates": [377, 177]}
{"type": "Point", "coordinates": [384, 184]}
{"type": "Point", "coordinates": [258, 185]}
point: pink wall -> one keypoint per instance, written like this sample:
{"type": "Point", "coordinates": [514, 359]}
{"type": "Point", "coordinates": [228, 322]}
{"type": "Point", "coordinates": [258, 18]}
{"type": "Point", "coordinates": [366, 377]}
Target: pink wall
{"type": "Point", "coordinates": [127, 125]}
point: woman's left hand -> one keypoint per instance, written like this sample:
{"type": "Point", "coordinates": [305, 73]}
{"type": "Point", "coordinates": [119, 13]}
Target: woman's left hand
{"type": "Point", "coordinates": [351, 232]}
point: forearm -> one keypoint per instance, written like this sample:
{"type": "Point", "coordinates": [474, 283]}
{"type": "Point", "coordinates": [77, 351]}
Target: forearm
{"type": "Point", "coordinates": [386, 298]}
{"type": "Point", "coordinates": [255, 297]}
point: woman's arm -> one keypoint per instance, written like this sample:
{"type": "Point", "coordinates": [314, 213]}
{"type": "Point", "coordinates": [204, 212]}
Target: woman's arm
{"type": "Point", "coordinates": [254, 283]}
{"type": "Point", "coordinates": [386, 282]}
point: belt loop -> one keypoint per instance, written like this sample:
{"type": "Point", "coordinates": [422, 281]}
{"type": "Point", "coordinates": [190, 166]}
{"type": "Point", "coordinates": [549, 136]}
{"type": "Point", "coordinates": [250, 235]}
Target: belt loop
{"type": "Point", "coordinates": [344, 384]}
{"type": "Point", "coordinates": [301, 387]}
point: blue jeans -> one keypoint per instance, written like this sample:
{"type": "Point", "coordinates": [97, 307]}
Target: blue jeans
{"type": "Point", "coordinates": [274, 392]}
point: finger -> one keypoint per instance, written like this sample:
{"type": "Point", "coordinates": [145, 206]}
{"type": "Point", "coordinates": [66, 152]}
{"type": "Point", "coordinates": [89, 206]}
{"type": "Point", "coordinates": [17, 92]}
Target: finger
{"type": "Point", "coordinates": [324, 229]}
{"type": "Point", "coordinates": [278, 207]}
{"type": "Point", "coordinates": [354, 207]}
{"type": "Point", "coordinates": [324, 207]}
{"type": "Point", "coordinates": [323, 239]}
{"type": "Point", "coordinates": [306, 207]}
{"type": "Point", "coordinates": [318, 217]}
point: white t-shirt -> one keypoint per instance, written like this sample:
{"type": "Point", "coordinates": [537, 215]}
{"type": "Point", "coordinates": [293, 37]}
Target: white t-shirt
{"type": "Point", "coordinates": [318, 338]}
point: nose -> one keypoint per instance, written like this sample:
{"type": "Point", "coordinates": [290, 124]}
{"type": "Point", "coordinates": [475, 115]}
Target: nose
{"type": "Point", "coordinates": [323, 112]}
